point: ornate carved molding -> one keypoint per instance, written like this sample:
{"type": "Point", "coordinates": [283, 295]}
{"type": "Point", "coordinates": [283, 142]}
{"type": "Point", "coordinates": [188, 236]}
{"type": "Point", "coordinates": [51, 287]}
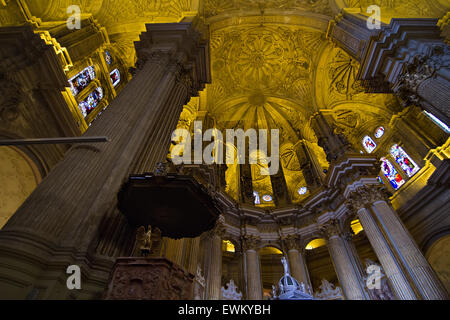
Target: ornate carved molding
{"type": "Point", "coordinates": [220, 228]}
{"type": "Point", "coordinates": [11, 96]}
{"type": "Point", "coordinates": [149, 279]}
{"type": "Point", "coordinates": [420, 69]}
{"type": "Point", "coordinates": [292, 242]}
{"type": "Point", "coordinates": [330, 228]}
{"type": "Point", "coordinates": [366, 195]}
{"type": "Point", "coordinates": [251, 242]}
{"type": "Point", "coordinates": [179, 47]}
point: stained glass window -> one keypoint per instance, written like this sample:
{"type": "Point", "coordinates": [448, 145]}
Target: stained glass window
{"type": "Point", "coordinates": [82, 80]}
{"type": "Point", "coordinates": [369, 144]}
{"type": "Point", "coordinates": [108, 57]}
{"type": "Point", "coordinates": [115, 77]}
{"type": "Point", "coordinates": [267, 198]}
{"type": "Point", "coordinates": [404, 160]}
{"type": "Point", "coordinates": [380, 180]}
{"type": "Point", "coordinates": [302, 190]}
{"type": "Point", "coordinates": [379, 132]}
{"type": "Point", "coordinates": [87, 105]}
{"type": "Point", "coordinates": [391, 174]}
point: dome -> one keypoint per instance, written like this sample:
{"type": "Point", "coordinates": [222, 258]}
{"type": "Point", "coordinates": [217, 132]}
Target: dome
{"type": "Point", "coordinates": [287, 284]}
{"type": "Point", "coordinates": [290, 289]}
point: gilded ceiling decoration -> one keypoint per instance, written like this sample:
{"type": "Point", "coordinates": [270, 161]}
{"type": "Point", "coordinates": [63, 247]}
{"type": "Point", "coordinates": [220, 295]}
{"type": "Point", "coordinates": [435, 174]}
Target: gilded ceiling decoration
{"type": "Point", "coordinates": [262, 76]}
{"type": "Point", "coordinates": [109, 12]}
{"type": "Point", "coordinates": [336, 81]}
{"type": "Point", "coordinates": [403, 8]}
{"type": "Point", "coordinates": [114, 11]}
{"type": "Point", "coordinates": [216, 7]}
{"type": "Point", "coordinates": [274, 59]}
{"type": "Point", "coordinates": [269, 70]}
{"type": "Point", "coordinates": [342, 73]}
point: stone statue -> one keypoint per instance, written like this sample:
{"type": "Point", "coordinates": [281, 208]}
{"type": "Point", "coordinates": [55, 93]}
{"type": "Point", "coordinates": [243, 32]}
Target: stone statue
{"type": "Point", "coordinates": [231, 293]}
{"type": "Point", "coordinates": [377, 282]}
{"type": "Point", "coordinates": [274, 292]}
{"type": "Point", "coordinates": [199, 285]}
{"type": "Point", "coordinates": [161, 169]}
{"type": "Point", "coordinates": [329, 292]}
{"type": "Point", "coordinates": [285, 265]}
{"type": "Point", "coordinates": [145, 241]}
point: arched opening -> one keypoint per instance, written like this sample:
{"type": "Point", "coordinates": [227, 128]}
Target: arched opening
{"type": "Point", "coordinates": [271, 269]}
{"type": "Point", "coordinates": [439, 257]}
{"type": "Point", "coordinates": [231, 265]}
{"type": "Point", "coordinates": [320, 266]}
{"type": "Point", "coordinates": [19, 176]}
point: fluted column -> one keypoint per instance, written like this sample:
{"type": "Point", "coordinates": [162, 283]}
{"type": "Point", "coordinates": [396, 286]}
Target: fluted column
{"type": "Point", "coordinates": [65, 211]}
{"type": "Point", "coordinates": [354, 256]}
{"type": "Point", "coordinates": [399, 282]}
{"type": "Point", "coordinates": [346, 270]}
{"type": "Point", "coordinates": [215, 267]}
{"type": "Point", "coordinates": [412, 275]}
{"type": "Point", "coordinates": [174, 250]}
{"type": "Point", "coordinates": [423, 275]}
{"type": "Point", "coordinates": [193, 254]}
{"type": "Point", "coordinates": [297, 263]}
{"type": "Point", "coordinates": [251, 245]}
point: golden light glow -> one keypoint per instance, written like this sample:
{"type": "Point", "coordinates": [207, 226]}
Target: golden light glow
{"type": "Point", "coordinates": [356, 226]}
{"type": "Point", "coordinates": [270, 250]}
{"type": "Point", "coordinates": [316, 243]}
{"type": "Point", "coordinates": [228, 246]}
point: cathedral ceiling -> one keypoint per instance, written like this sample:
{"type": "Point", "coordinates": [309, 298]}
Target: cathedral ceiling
{"type": "Point", "coordinates": [216, 7]}
{"type": "Point", "coordinates": [402, 8]}
{"type": "Point", "coordinates": [272, 66]}
{"type": "Point", "coordinates": [338, 91]}
{"type": "Point", "coordinates": [262, 76]}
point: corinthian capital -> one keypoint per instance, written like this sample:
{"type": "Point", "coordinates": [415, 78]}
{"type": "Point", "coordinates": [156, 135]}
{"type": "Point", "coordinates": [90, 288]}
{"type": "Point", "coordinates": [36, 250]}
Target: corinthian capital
{"type": "Point", "coordinates": [292, 242]}
{"type": "Point", "coordinates": [250, 242]}
{"type": "Point", "coordinates": [330, 228]}
{"type": "Point", "coordinates": [366, 195]}
{"type": "Point", "coordinates": [420, 69]}
{"type": "Point", "coordinates": [220, 227]}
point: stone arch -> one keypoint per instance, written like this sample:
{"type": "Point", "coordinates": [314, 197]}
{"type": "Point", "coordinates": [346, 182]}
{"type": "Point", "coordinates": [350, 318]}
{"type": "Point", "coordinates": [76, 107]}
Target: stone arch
{"type": "Point", "coordinates": [319, 262]}
{"type": "Point", "coordinates": [232, 264]}
{"type": "Point", "coordinates": [270, 266]}
{"type": "Point", "coordinates": [438, 255]}
{"type": "Point", "coordinates": [19, 176]}
{"type": "Point", "coordinates": [275, 245]}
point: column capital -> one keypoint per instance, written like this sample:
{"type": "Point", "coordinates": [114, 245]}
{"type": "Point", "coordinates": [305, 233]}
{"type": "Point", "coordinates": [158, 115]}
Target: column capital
{"type": "Point", "coordinates": [292, 242]}
{"type": "Point", "coordinates": [348, 235]}
{"type": "Point", "coordinates": [250, 242]}
{"type": "Point", "coordinates": [219, 229]}
{"type": "Point", "coordinates": [12, 98]}
{"type": "Point", "coordinates": [181, 47]}
{"type": "Point", "coordinates": [159, 57]}
{"type": "Point", "coordinates": [330, 229]}
{"type": "Point", "coordinates": [366, 195]}
{"type": "Point", "coordinates": [421, 68]}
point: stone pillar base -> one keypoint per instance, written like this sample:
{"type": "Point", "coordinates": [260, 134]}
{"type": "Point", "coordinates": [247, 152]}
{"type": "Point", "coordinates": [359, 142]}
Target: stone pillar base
{"type": "Point", "coordinates": [152, 278]}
